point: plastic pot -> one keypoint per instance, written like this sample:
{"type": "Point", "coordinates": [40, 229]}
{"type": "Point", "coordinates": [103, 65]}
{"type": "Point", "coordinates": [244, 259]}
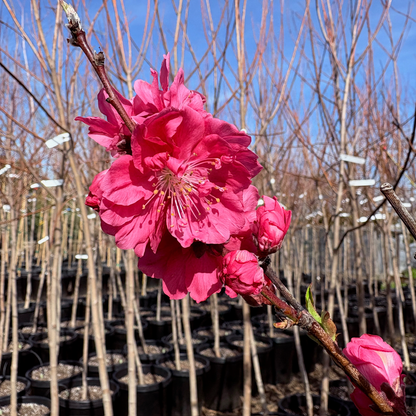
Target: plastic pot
{"type": "Point", "coordinates": [180, 403]}
{"type": "Point", "coordinates": [118, 339]}
{"type": "Point", "coordinates": [151, 358]}
{"type": "Point", "coordinates": [29, 399]}
{"type": "Point", "coordinates": [68, 349]}
{"type": "Point", "coordinates": [149, 299]}
{"type": "Point", "coordinates": [196, 340]}
{"type": "Point", "coordinates": [282, 358]}
{"type": "Point", "coordinates": [66, 309]}
{"type": "Point", "coordinates": [42, 387]}
{"type": "Point", "coordinates": [26, 315]}
{"type": "Point", "coordinates": [93, 369]}
{"type": "Point", "coordinates": [20, 393]}
{"type": "Point", "coordinates": [109, 331]}
{"type": "Point", "coordinates": [336, 387]}
{"type": "Point", "coordinates": [208, 332]}
{"type": "Point", "coordinates": [159, 329]}
{"type": "Point", "coordinates": [153, 399]}
{"type": "Point", "coordinates": [295, 404]}
{"type": "Point", "coordinates": [264, 354]}
{"type": "Point", "coordinates": [27, 359]}
{"type": "Point", "coordinates": [223, 383]}
{"type": "Point", "coordinates": [84, 407]}
{"type": "Point", "coordinates": [310, 350]}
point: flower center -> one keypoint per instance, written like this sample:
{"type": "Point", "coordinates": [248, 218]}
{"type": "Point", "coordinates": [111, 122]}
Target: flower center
{"type": "Point", "coordinates": [180, 194]}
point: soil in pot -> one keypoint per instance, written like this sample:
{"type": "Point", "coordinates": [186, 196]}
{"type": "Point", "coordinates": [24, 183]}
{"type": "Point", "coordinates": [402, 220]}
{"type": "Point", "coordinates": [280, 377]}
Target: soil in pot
{"type": "Point", "coordinates": [154, 396]}
{"type": "Point", "coordinates": [296, 405]}
{"type": "Point", "coordinates": [28, 406]}
{"type": "Point", "coordinates": [71, 402]}
{"type": "Point", "coordinates": [69, 345]}
{"type": "Point", "coordinates": [223, 383]}
{"type": "Point", "coordinates": [180, 403]}
{"type": "Point", "coordinates": [209, 333]}
{"type": "Point", "coordinates": [114, 360]}
{"type": "Point", "coordinates": [155, 350]}
{"type": "Point", "coordinates": [40, 375]}
{"type": "Point", "coordinates": [22, 386]}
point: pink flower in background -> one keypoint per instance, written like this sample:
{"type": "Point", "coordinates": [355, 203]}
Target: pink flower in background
{"type": "Point", "coordinates": [148, 101]}
{"type": "Point", "coordinates": [379, 363]}
{"type": "Point", "coordinates": [271, 226]}
{"type": "Point", "coordinates": [242, 274]}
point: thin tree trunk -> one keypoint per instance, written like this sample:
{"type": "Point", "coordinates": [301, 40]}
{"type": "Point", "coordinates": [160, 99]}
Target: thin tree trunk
{"type": "Point", "coordinates": [191, 358]}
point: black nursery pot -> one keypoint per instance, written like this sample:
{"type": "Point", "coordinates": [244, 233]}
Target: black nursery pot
{"type": "Point", "coordinates": [42, 387]}
{"type": "Point", "coordinates": [29, 399]}
{"type": "Point", "coordinates": [208, 332]}
{"type": "Point", "coordinates": [196, 341]}
{"type": "Point", "coordinates": [21, 393]}
{"type": "Point", "coordinates": [84, 407]}
{"type": "Point", "coordinates": [109, 331]}
{"type": "Point", "coordinates": [152, 399]}
{"type": "Point", "coordinates": [222, 384]}
{"type": "Point", "coordinates": [159, 329]}
{"type": "Point", "coordinates": [339, 388]}
{"type": "Point", "coordinates": [93, 369]}
{"type": "Point", "coordinates": [282, 358]}
{"type": "Point", "coordinates": [118, 338]}
{"type": "Point", "coordinates": [151, 358]}
{"type": "Point", "coordinates": [27, 359]}
{"type": "Point", "coordinates": [311, 352]}
{"type": "Point", "coordinates": [26, 315]}
{"type": "Point", "coordinates": [180, 403]}
{"type": "Point", "coordinates": [264, 354]}
{"type": "Point", "coordinates": [68, 349]}
{"type": "Point", "coordinates": [296, 404]}
{"type": "Point", "coordinates": [149, 299]}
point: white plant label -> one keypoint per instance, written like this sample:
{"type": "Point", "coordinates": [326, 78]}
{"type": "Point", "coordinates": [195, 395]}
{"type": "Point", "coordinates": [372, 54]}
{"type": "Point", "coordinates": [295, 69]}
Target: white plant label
{"type": "Point", "coordinates": [407, 204]}
{"type": "Point", "coordinates": [378, 198]}
{"type": "Point", "coordinates": [6, 208]}
{"type": "Point", "coordinates": [49, 183]}
{"type": "Point", "coordinates": [91, 216]}
{"type": "Point", "coordinates": [35, 185]}
{"type": "Point", "coordinates": [352, 159]}
{"type": "Point", "coordinates": [363, 182]}
{"type": "Point", "coordinates": [81, 256]}
{"type": "Point", "coordinates": [5, 169]}
{"type": "Point", "coordinates": [43, 240]}
{"type": "Point", "coordinates": [61, 138]}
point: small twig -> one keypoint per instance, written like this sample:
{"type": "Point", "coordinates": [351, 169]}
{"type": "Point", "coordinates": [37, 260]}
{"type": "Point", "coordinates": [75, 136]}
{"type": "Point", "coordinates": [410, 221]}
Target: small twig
{"type": "Point", "coordinates": [400, 209]}
{"type": "Point", "coordinates": [304, 319]}
{"type": "Point", "coordinates": [79, 39]}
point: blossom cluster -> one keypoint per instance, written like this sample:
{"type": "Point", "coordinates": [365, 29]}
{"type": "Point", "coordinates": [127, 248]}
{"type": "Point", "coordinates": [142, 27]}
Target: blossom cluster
{"type": "Point", "coordinates": [179, 191]}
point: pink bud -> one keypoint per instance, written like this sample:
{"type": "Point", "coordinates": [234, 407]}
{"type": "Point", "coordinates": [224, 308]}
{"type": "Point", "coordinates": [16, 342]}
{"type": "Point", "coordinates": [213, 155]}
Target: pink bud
{"type": "Point", "coordinates": [379, 363]}
{"type": "Point", "coordinates": [271, 226]}
{"type": "Point", "coordinates": [242, 274]}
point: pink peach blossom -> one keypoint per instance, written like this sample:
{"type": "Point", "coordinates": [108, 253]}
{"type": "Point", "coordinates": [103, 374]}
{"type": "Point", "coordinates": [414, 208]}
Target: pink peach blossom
{"type": "Point", "coordinates": [242, 274]}
{"type": "Point", "coordinates": [379, 363]}
{"type": "Point", "coordinates": [271, 226]}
